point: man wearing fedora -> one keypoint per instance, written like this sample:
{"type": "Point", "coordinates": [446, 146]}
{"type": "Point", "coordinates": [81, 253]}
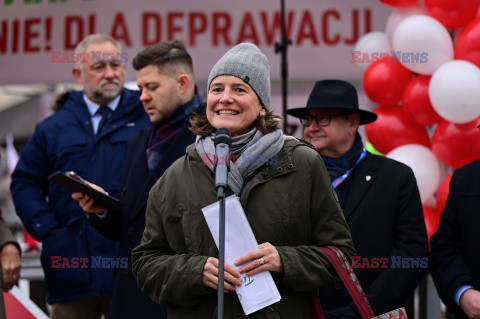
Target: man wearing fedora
{"type": "Point", "coordinates": [379, 198]}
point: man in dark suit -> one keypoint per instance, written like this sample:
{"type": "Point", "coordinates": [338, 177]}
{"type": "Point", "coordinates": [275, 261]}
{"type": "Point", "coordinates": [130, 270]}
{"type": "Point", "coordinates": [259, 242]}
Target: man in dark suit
{"type": "Point", "coordinates": [169, 95]}
{"type": "Point", "coordinates": [379, 198]}
{"type": "Point", "coordinates": [455, 258]}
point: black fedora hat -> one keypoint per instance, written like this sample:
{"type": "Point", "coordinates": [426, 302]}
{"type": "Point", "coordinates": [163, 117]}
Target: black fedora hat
{"type": "Point", "coordinates": [334, 95]}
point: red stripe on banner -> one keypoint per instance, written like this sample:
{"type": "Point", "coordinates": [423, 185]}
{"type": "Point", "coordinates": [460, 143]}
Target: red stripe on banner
{"type": "Point", "coordinates": [15, 309]}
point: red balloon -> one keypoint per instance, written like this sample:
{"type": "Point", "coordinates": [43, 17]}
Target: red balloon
{"type": "Point", "coordinates": [400, 3]}
{"type": "Point", "coordinates": [432, 219]}
{"type": "Point", "coordinates": [385, 79]}
{"type": "Point", "coordinates": [416, 103]}
{"type": "Point", "coordinates": [442, 193]}
{"type": "Point", "coordinates": [467, 45]}
{"type": "Point", "coordinates": [457, 144]}
{"type": "Point", "coordinates": [392, 129]}
{"type": "Point", "coordinates": [452, 13]}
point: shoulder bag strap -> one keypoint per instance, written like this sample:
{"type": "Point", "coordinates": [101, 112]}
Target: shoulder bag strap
{"type": "Point", "coordinates": [346, 274]}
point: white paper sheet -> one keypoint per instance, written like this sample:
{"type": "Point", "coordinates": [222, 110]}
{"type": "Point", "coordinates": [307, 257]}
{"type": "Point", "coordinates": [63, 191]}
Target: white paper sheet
{"type": "Point", "coordinates": [257, 291]}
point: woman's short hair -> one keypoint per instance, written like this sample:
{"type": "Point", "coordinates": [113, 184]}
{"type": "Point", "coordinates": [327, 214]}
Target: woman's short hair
{"type": "Point", "coordinates": [265, 124]}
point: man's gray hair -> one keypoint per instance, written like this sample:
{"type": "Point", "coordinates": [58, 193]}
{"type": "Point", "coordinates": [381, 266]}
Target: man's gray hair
{"type": "Point", "coordinates": [94, 38]}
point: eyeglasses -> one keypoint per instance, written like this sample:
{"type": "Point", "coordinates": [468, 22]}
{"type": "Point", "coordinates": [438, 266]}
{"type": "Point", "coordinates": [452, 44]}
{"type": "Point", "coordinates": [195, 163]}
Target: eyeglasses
{"type": "Point", "coordinates": [321, 120]}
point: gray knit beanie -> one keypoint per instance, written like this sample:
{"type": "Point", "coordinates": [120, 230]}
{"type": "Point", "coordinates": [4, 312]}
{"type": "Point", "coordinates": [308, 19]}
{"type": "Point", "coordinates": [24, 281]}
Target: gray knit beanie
{"type": "Point", "coordinates": [248, 63]}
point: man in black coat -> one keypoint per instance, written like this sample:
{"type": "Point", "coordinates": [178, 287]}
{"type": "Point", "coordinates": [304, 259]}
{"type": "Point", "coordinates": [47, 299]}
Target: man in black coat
{"type": "Point", "coordinates": [379, 198]}
{"type": "Point", "coordinates": [169, 96]}
{"type": "Point", "coordinates": [455, 253]}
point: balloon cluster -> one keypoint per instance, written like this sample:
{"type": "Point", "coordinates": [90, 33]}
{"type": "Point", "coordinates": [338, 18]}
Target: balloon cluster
{"type": "Point", "coordinates": [423, 73]}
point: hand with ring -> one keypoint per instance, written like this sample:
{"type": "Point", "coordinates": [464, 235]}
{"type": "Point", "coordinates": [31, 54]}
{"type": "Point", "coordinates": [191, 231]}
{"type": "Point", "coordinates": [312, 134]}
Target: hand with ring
{"type": "Point", "coordinates": [266, 257]}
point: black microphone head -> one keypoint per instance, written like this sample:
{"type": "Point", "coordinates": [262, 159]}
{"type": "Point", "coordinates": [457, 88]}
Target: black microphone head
{"type": "Point", "coordinates": [223, 136]}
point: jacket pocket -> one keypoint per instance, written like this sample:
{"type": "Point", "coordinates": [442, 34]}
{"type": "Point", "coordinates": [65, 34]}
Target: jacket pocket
{"type": "Point", "coordinates": [71, 147]}
{"type": "Point", "coordinates": [64, 257]}
{"type": "Point", "coordinates": [124, 134]}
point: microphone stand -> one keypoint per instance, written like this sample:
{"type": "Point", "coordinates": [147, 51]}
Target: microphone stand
{"type": "Point", "coordinates": [221, 252]}
{"type": "Point", "coordinates": [282, 48]}
{"type": "Point", "coordinates": [221, 189]}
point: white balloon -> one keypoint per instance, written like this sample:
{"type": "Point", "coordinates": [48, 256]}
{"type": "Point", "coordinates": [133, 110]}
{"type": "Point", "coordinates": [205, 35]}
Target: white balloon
{"type": "Point", "coordinates": [424, 165]}
{"type": "Point", "coordinates": [454, 91]}
{"type": "Point", "coordinates": [398, 15]}
{"type": "Point", "coordinates": [369, 48]}
{"type": "Point", "coordinates": [422, 44]}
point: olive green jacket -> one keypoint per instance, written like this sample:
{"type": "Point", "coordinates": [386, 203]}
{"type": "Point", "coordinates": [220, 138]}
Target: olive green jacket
{"type": "Point", "coordinates": [289, 203]}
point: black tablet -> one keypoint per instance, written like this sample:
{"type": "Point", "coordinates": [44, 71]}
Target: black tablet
{"type": "Point", "coordinates": [74, 183]}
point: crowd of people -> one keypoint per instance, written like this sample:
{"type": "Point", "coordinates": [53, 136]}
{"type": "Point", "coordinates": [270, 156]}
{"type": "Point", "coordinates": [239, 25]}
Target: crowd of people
{"type": "Point", "coordinates": [155, 256]}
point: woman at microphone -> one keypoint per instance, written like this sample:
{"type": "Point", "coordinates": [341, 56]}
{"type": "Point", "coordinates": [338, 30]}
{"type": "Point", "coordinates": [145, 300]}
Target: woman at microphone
{"type": "Point", "coordinates": [284, 189]}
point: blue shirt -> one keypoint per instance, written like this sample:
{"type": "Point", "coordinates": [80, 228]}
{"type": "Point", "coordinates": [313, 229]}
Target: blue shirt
{"type": "Point", "coordinates": [93, 108]}
{"type": "Point", "coordinates": [458, 293]}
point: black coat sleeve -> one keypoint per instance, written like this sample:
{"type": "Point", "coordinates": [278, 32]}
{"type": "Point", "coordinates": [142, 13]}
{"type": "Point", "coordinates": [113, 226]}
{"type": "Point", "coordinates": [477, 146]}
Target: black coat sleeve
{"type": "Point", "coordinates": [109, 226]}
{"type": "Point", "coordinates": [453, 246]}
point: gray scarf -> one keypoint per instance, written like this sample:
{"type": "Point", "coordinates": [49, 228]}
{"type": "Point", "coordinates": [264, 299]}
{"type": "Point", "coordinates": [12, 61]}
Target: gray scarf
{"type": "Point", "coordinates": [253, 150]}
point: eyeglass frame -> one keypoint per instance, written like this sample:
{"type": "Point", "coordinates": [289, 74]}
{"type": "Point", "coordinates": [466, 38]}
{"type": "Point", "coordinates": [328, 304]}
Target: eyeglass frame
{"type": "Point", "coordinates": [304, 120]}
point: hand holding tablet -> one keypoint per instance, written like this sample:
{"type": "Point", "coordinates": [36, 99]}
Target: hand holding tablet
{"type": "Point", "coordinates": [74, 183]}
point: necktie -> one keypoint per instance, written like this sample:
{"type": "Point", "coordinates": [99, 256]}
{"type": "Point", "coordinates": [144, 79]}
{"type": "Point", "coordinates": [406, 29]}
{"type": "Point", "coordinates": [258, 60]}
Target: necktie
{"type": "Point", "coordinates": [105, 112]}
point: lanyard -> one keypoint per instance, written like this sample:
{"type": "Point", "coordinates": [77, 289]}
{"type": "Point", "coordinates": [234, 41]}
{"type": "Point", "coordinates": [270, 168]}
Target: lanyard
{"type": "Point", "coordinates": [340, 179]}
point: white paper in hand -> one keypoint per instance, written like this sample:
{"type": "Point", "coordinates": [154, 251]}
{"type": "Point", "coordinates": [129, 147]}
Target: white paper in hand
{"type": "Point", "coordinates": [257, 291]}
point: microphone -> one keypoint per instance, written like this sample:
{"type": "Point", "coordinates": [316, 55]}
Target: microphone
{"type": "Point", "coordinates": [222, 166]}
{"type": "Point", "coordinates": [222, 156]}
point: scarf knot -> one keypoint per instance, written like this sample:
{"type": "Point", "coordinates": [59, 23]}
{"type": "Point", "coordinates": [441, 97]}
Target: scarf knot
{"type": "Point", "coordinates": [248, 151]}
